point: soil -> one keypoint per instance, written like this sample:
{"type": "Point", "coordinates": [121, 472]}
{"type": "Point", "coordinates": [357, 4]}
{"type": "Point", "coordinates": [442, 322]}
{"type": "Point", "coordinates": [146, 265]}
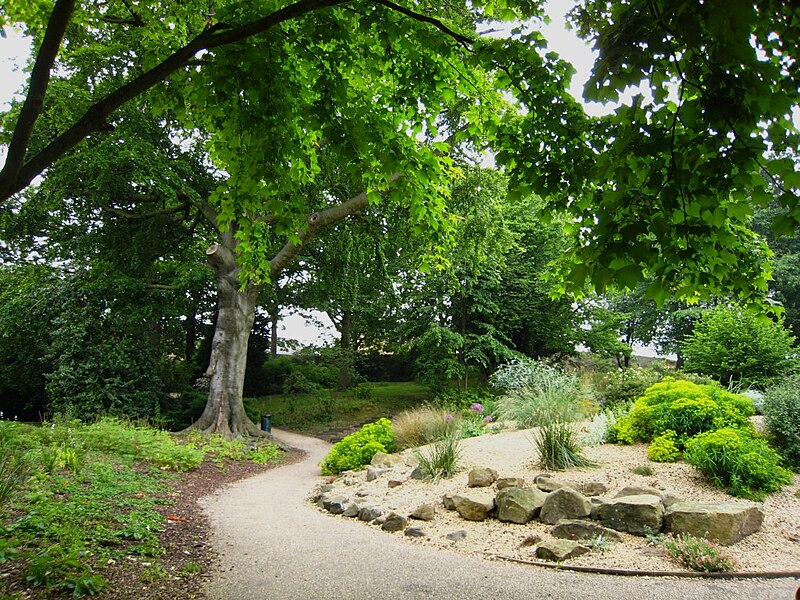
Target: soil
{"type": "Point", "coordinates": [511, 453]}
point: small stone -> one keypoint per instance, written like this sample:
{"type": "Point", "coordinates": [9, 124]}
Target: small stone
{"type": "Point", "coordinates": [550, 485]}
{"type": "Point", "coordinates": [326, 488]}
{"type": "Point", "coordinates": [393, 483]}
{"type": "Point", "coordinates": [560, 550]}
{"type": "Point", "coordinates": [415, 532]}
{"type": "Point", "coordinates": [350, 481]}
{"type": "Point", "coordinates": [362, 493]}
{"type": "Point", "coordinates": [456, 536]}
{"type": "Point", "coordinates": [530, 540]}
{"type": "Point", "coordinates": [594, 488]}
{"type": "Point", "coordinates": [335, 505]}
{"type": "Point", "coordinates": [475, 506]}
{"type": "Point", "coordinates": [394, 522]}
{"type": "Point", "coordinates": [369, 513]}
{"type": "Point", "coordinates": [481, 477]}
{"type": "Point", "coordinates": [447, 501]}
{"type": "Point", "coordinates": [418, 474]}
{"type": "Point", "coordinates": [507, 482]}
{"type": "Point", "coordinates": [374, 472]}
{"type": "Point", "coordinates": [351, 510]}
{"type": "Point", "coordinates": [424, 512]}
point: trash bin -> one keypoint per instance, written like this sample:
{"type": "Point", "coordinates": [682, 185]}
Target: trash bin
{"type": "Point", "coordinates": [266, 422]}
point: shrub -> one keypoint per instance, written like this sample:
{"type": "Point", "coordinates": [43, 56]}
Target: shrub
{"type": "Point", "coordinates": [357, 449]}
{"type": "Point", "coordinates": [423, 425]}
{"type": "Point", "coordinates": [738, 461]}
{"type": "Point", "coordinates": [537, 393]}
{"type": "Point", "coordinates": [697, 554]}
{"type": "Point", "coordinates": [558, 447]}
{"type": "Point", "coordinates": [600, 429]}
{"type": "Point", "coordinates": [440, 459]}
{"type": "Point", "coordinates": [732, 344]}
{"type": "Point", "coordinates": [782, 416]}
{"type": "Point", "coordinates": [663, 448]}
{"type": "Point", "coordinates": [624, 385]}
{"type": "Point", "coordinates": [684, 407]}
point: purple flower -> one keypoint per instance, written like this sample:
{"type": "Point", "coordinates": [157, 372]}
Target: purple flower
{"type": "Point", "coordinates": [477, 408]}
{"type": "Point", "coordinates": [488, 418]}
{"type": "Point", "coordinates": [448, 418]}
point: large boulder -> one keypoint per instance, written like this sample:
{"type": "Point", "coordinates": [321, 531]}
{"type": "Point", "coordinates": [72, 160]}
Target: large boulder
{"type": "Point", "coordinates": [519, 505]}
{"type": "Point", "coordinates": [726, 522]}
{"type": "Point", "coordinates": [639, 515]}
{"type": "Point", "coordinates": [507, 482]}
{"type": "Point", "coordinates": [594, 488]}
{"type": "Point", "coordinates": [481, 477]}
{"type": "Point", "coordinates": [564, 503]}
{"type": "Point", "coordinates": [558, 550]}
{"type": "Point", "coordinates": [474, 506]}
{"type": "Point", "coordinates": [382, 459]}
{"type": "Point", "coordinates": [579, 529]}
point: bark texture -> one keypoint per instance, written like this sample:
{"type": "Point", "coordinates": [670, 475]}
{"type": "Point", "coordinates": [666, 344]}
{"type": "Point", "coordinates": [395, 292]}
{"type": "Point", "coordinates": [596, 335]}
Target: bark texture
{"type": "Point", "coordinates": [224, 412]}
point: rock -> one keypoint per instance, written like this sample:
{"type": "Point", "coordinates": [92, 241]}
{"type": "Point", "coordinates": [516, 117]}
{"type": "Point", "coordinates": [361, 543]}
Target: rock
{"type": "Point", "coordinates": [326, 488]}
{"type": "Point", "coordinates": [507, 482]}
{"type": "Point", "coordinates": [597, 501]}
{"type": "Point", "coordinates": [394, 522]}
{"type": "Point", "coordinates": [393, 483]}
{"type": "Point", "coordinates": [560, 550]}
{"type": "Point", "coordinates": [539, 476]}
{"type": "Point", "coordinates": [577, 529]}
{"type": "Point", "coordinates": [457, 536]}
{"type": "Point", "coordinates": [374, 472]}
{"type": "Point", "coordinates": [530, 540]}
{"type": "Point", "coordinates": [475, 506]}
{"type": "Point", "coordinates": [639, 490]}
{"type": "Point", "coordinates": [564, 503]}
{"type": "Point", "coordinates": [519, 505]}
{"type": "Point", "coordinates": [424, 512]}
{"type": "Point", "coordinates": [726, 522]}
{"type": "Point", "coordinates": [418, 474]}
{"type": "Point", "coordinates": [350, 480]}
{"type": "Point", "coordinates": [335, 505]}
{"type": "Point", "coordinates": [482, 477]}
{"type": "Point", "coordinates": [369, 513]}
{"type": "Point", "coordinates": [381, 459]}
{"type": "Point", "coordinates": [415, 532]}
{"type": "Point", "coordinates": [410, 460]}
{"type": "Point", "coordinates": [550, 485]}
{"type": "Point", "coordinates": [447, 501]}
{"type": "Point", "coordinates": [594, 488]}
{"type": "Point", "coordinates": [362, 493]}
{"type": "Point", "coordinates": [639, 514]}
{"type": "Point", "coordinates": [351, 510]}
{"type": "Point", "coordinates": [668, 499]}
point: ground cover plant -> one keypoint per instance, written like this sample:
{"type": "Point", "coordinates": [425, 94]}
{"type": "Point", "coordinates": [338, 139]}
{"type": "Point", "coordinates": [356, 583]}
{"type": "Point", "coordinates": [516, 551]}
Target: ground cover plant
{"type": "Point", "coordinates": [357, 449]}
{"type": "Point", "coordinates": [697, 554]}
{"type": "Point", "coordinates": [89, 497]}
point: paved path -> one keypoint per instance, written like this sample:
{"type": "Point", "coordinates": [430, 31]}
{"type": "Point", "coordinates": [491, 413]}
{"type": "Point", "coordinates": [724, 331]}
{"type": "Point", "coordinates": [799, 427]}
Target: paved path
{"type": "Point", "coordinates": [273, 544]}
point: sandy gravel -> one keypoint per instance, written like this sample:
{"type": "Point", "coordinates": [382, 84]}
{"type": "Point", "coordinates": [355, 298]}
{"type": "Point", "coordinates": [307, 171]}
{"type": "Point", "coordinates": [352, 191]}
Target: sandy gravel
{"type": "Point", "coordinates": [511, 453]}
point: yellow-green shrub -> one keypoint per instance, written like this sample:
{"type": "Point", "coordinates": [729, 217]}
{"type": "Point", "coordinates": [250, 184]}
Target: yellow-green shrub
{"type": "Point", "coordinates": [357, 449]}
{"type": "Point", "coordinates": [663, 447]}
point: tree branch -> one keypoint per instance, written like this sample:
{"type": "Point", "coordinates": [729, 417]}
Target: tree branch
{"type": "Point", "coordinates": [314, 223]}
{"type": "Point", "coordinates": [40, 79]}
{"type": "Point", "coordinates": [461, 39]}
{"type": "Point", "coordinates": [16, 177]}
{"type": "Point", "coordinates": [142, 216]}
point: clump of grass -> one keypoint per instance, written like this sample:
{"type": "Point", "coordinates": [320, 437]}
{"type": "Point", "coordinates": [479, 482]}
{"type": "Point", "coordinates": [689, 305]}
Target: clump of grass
{"type": "Point", "coordinates": [14, 471]}
{"type": "Point", "coordinates": [422, 425]}
{"type": "Point", "coordinates": [440, 459]}
{"type": "Point", "coordinates": [558, 446]}
{"type": "Point", "coordinates": [697, 554]}
{"type": "Point", "coordinates": [645, 470]}
{"type": "Point", "coordinates": [599, 543]}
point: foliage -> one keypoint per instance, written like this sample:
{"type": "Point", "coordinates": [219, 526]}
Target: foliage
{"type": "Point", "coordinates": [558, 446]}
{"type": "Point", "coordinates": [13, 473]}
{"type": "Point", "coordinates": [440, 459]}
{"type": "Point", "coordinates": [536, 393]}
{"type": "Point", "coordinates": [684, 407]}
{"type": "Point", "coordinates": [644, 470]}
{"type": "Point", "coordinates": [782, 416]}
{"type": "Point", "coordinates": [664, 448]}
{"type": "Point", "coordinates": [599, 543]}
{"type": "Point", "coordinates": [622, 386]}
{"type": "Point", "coordinates": [423, 425]}
{"type": "Point", "coordinates": [357, 449]}
{"type": "Point", "coordinates": [732, 344]}
{"type": "Point", "coordinates": [697, 554]}
{"type": "Point", "coordinates": [736, 460]}
{"type": "Point", "coordinates": [602, 424]}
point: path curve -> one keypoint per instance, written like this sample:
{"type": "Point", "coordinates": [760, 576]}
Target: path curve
{"type": "Point", "coordinates": [274, 544]}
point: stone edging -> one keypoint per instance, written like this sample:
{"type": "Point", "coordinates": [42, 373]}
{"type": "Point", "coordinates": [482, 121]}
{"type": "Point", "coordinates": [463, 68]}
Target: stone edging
{"type": "Point", "coordinates": [634, 573]}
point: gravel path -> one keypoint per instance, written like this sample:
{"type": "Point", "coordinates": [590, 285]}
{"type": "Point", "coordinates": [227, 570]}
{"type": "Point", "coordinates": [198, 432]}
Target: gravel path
{"type": "Point", "coordinates": [274, 544]}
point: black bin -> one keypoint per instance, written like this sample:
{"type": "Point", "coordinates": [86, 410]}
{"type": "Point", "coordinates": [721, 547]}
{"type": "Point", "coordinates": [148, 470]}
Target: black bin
{"type": "Point", "coordinates": [266, 422]}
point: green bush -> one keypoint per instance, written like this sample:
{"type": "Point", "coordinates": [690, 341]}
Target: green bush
{"type": "Point", "coordinates": [684, 407]}
{"type": "Point", "coordinates": [558, 447]}
{"type": "Point", "coordinates": [782, 416]}
{"type": "Point", "coordinates": [736, 460]}
{"type": "Point", "coordinates": [663, 448]}
{"type": "Point", "coordinates": [357, 449]}
{"type": "Point", "coordinates": [624, 385]}
{"type": "Point", "coordinates": [732, 344]}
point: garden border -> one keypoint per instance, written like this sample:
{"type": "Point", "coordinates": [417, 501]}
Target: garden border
{"type": "Point", "coordinates": [634, 573]}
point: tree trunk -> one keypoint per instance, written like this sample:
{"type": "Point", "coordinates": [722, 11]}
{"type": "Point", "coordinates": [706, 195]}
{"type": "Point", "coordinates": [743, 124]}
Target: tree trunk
{"type": "Point", "coordinates": [275, 317]}
{"type": "Point", "coordinates": [224, 412]}
{"type": "Point", "coordinates": [345, 328]}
